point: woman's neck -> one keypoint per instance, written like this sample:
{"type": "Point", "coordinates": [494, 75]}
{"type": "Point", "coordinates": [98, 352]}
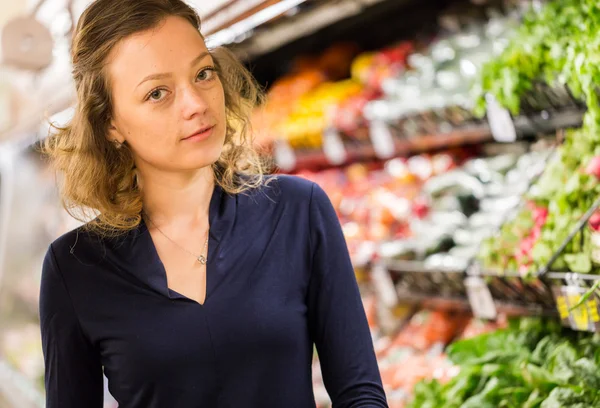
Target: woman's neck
{"type": "Point", "coordinates": [177, 199]}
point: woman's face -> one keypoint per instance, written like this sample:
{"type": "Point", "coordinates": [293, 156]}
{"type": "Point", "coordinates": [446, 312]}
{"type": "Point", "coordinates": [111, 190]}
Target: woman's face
{"type": "Point", "coordinates": [168, 102]}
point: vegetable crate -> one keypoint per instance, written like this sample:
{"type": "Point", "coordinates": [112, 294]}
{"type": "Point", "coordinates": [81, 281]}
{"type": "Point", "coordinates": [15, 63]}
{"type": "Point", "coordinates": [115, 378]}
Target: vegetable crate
{"type": "Point", "coordinates": [515, 294]}
{"type": "Point", "coordinates": [543, 97]}
{"type": "Point", "coordinates": [415, 282]}
{"type": "Point", "coordinates": [545, 109]}
{"type": "Point", "coordinates": [575, 297]}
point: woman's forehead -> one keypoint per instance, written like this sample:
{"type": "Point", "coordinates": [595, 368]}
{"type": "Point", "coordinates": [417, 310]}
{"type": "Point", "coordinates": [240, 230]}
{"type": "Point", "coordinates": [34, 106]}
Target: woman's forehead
{"type": "Point", "coordinates": [169, 47]}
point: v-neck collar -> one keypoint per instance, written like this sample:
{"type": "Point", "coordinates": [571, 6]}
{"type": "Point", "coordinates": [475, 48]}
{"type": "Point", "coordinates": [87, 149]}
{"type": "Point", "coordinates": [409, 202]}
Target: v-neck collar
{"type": "Point", "coordinates": [144, 262]}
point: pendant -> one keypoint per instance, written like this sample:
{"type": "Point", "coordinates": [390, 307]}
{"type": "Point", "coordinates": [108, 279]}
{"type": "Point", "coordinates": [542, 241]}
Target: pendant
{"type": "Point", "coordinates": [202, 260]}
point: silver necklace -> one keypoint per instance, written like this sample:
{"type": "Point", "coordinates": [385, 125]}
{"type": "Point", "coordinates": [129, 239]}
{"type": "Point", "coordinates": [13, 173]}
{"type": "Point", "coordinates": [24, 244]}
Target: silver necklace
{"type": "Point", "coordinates": [200, 258]}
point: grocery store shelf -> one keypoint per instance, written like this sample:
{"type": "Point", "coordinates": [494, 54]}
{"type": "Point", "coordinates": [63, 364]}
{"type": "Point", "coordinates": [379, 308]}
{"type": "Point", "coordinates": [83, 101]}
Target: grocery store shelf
{"type": "Point", "coordinates": [452, 139]}
{"type": "Point", "coordinates": [301, 25]}
{"type": "Point", "coordinates": [512, 294]}
{"type": "Point", "coordinates": [567, 276]}
{"type": "Point", "coordinates": [243, 28]}
{"type": "Point", "coordinates": [475, 135]}
{"type": "Point", "coordinates": [511, 310]}
{"type": "Point", "coordinates": [434, 302]}
{"type": "Point", "coordinates": [511, 287]}
{"type": "Point", "coordinates": [416, 266]}
{"type": "Point", "coordinates": [233, 11]}
{"type": "Point", "coordinates": [545, 121]}
{"type": "Point", "coordinates": [505, 308]}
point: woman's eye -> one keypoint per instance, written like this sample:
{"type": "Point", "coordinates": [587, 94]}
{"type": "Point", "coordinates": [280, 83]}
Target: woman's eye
{"type": "Point", "coordinates": [206, 74]}
{"type": "Point", "coordinates": [155, 95]}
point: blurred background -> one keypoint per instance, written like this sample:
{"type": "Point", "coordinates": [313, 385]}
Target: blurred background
{"type": "Point", "coordinates": [457, 140]}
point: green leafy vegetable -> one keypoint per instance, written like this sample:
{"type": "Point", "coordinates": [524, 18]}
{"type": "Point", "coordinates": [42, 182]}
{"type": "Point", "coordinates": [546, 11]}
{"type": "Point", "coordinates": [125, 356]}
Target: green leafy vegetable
{"type": "Point", "coordinates": [532, 364]}
{"type": "Point", "coordinates": [580, 263]}
{"type": "Point", "coordinates": [558, 45]}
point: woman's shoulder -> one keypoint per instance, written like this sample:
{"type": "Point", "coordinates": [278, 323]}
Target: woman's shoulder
{"type": "Point", "coordinates": [83, 244]}
{"type": "Point", "coordinates": [290, 185]}
{"type": "Point", "coordinates": [68, 239]}
{"type": "Point", "coordinates": [286, 189]}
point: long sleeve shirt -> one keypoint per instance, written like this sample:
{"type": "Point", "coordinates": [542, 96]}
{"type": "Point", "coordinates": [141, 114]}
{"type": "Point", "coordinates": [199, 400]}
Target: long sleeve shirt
{"type": "Point", "coordinates": [279, 280]}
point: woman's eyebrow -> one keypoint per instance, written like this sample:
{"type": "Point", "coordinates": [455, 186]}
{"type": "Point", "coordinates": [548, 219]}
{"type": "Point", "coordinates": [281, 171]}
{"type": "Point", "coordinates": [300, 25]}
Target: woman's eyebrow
{"type": "Point", "coordinates": [200, 57]}
{"type": "Point", "coordinates": [167, 75]}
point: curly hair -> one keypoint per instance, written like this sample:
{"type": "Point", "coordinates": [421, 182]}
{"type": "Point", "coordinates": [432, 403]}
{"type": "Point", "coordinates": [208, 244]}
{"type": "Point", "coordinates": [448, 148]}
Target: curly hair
{"type": "Point", "coordinates": [99, 181]}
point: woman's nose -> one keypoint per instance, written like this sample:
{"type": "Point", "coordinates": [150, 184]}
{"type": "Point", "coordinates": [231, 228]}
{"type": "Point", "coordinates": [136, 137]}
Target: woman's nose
{"type": "Point", "coordinates": [193, 102]}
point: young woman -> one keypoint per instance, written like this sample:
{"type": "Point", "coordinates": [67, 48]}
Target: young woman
{"type": "Point", "coordinates": [201, 282]}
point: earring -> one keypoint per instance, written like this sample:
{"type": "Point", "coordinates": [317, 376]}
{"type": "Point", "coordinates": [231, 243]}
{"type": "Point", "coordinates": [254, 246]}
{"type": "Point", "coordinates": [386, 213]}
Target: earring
{"type": "Point", "coordinates": [117, 144]}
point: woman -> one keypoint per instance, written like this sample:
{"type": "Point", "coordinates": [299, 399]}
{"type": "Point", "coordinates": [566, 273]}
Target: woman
{"type": "Point", "coordinates": [201, 282]}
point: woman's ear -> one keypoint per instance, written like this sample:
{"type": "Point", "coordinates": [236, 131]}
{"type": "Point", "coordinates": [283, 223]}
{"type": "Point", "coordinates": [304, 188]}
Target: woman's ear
{"type": "Point", "coordinates": [114, 135]}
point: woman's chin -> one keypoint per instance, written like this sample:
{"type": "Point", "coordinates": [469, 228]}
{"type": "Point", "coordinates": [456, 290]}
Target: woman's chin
{"type": "Point", "coordinates": [201, 159]}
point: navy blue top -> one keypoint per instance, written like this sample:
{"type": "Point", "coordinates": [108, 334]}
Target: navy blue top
{"type": "Point", "coordinates": [279, 279]}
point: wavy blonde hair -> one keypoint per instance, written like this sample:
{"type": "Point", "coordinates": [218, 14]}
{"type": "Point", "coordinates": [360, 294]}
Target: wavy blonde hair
{"type": "Point", "coordinates": [99, 179]}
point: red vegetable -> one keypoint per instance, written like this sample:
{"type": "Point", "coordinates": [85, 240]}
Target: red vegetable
{"type": "Point", "coordinates": [527, 245]}
{"type": "Point", "coordinates": [537, 231]}
{"type": "Point", "coordinates": [594, 221]}
{"type": "Point", "coordinates": [593, 167]}
{"type": "Point", "coordinates": [420, 207]}
{"type": "Point", "coordinates": [539, 215]}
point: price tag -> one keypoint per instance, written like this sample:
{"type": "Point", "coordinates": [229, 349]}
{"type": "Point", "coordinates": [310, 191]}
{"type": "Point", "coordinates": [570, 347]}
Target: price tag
{"type": "Point", "coordinates": [500, 121]}
{"type": "Point", "coordinates": [333, 146]}
{"type": "Point", "coordinates": [480, 298]}
{"type": "Point", "coordinates": [383, 284]}
{"type": "Point", "coordinates": [285, 157]}
{"type": "Point", "coordinates": [583, 318]}
{"type": "Point", "coordinates": [382, 139]}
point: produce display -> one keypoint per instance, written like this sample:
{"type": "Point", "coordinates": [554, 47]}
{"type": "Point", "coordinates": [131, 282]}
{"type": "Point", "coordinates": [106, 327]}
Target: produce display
{"type": "Point", "coordinates": [449, 359]}
{"type": "Point", "coordinates": [559, 199]}
{"type": "Point", "coordinates": [413, 88]}
{"type": "Point", "coordinates": [434, 209]}
{"type": "Point", "coordinates": [434, 95]}
{"type": "Point", "coordinates": [555, 45]}
{"type": "Point", "coordinates": [556, 48]}
{"type": "Point", "coordinates": [525, 228]}
{"type": "Point", "coordinates": [550, 65]}
{"type": "Point", "coordinates": [531, 364]}
{"type": "Point", "coordinates": [377, 203]}
{"type": "Point", "coordinates": [416, 352]}
{"type": "Point", "coordinates": [327, 90]}
{"type": "Point", "coordinates": [468, 205]}
{"type": "Point", "coordinates": [411, 365]}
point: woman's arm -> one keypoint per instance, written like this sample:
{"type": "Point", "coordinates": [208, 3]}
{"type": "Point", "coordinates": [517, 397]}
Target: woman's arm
{"type": "Point", "coordinates": [73, 374]}
{"type": "Point", "coordinates": [336, 315]}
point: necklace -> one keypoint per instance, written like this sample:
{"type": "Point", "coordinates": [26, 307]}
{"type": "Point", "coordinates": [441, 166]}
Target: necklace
{"type": "Point", "coordinates": [202, 259]}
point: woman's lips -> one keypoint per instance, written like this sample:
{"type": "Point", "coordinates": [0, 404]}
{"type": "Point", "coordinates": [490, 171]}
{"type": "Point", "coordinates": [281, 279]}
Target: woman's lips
{"type": "Point", "coordinates": [200, 136]}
